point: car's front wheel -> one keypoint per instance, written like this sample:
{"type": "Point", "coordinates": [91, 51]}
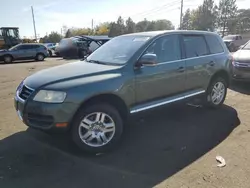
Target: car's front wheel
{"type": "Point", "coordinates": [97, 128]}
{"type": "Point", "coordinates": [216, 92]}
{"type": "Point", "coordinates": [8, 59]}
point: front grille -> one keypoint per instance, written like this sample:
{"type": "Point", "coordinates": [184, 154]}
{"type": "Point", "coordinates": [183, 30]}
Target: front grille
{"type": "Point", "coordinates": [25, 92]}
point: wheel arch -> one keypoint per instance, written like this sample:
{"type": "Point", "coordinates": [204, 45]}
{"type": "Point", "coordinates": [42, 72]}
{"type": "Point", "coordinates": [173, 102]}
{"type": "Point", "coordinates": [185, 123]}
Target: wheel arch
{"type": "Point", "coordinates": [223, 74]}
{"type": "Point", "coordinates": [108, 98]}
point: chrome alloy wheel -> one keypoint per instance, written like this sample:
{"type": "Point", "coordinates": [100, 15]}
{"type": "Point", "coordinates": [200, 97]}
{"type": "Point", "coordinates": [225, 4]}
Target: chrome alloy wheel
{"type": "Point", "coordinates": [218, 93]}
{"type": "Point", "coordinates": [96, 129]}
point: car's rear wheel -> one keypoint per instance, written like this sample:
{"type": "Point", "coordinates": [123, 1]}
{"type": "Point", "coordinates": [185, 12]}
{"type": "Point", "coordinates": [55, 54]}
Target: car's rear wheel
{"type": "Point", "coordinates": [216, 92]}
{"type": "Point", "coordinates": [40, 57]}
{"type": "Point", "coordinates": [97, 128]}
{"type": "Point", "coordinates": [8, 59]}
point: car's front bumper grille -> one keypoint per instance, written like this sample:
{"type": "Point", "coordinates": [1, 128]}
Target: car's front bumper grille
{"type": "Point", "coordinates": [24, 92]}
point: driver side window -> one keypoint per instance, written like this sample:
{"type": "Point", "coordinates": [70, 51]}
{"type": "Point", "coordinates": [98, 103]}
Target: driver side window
{"type": "Point", "coordinates": [166, 48]}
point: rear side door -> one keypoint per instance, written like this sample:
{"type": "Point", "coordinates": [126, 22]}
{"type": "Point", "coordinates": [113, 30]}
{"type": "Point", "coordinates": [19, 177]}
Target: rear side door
{"type": "Point", "coordinates": [166, 78]}
{"type": "Point", "coordinates": [198, 59]}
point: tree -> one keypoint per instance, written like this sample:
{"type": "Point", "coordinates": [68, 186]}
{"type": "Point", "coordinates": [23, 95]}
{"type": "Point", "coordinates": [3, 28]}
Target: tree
{"type": "Point", "coordinates": [186, 20]}
{"type": "Point", "coordinates": [227, 15]}
{"type": "Point", "coordinates": [142, 25]}
{"type": "Point", "coordinates": [117, 28]}
{"type": "Point", "coordinates": [243, 21]}
{"type": "Point", "coordinates": [130, 26]}
{"type": "Point", "coordinates": [54, 37]}
{"type": "Point", "coordinates": [68, 34]}
{"type": "Point", "coordinates": [102, 29]}
{"type": "Point", "coordinates": [204, 17]}
{"type": "Point", "coordinates": [163, 25]}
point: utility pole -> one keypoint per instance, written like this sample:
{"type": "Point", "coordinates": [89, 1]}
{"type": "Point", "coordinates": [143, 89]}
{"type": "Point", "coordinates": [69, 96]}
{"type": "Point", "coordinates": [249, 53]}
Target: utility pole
{"type": "Point", "coordinates": [34, 24]}
{"type": "Point", "coordinates": [181, 14]}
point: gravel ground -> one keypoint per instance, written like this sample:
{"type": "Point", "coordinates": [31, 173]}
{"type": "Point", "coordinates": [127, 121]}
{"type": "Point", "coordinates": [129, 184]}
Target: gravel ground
{"type": "Point", "coordinates": [170, 147]}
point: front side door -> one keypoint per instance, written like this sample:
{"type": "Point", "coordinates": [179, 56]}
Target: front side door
{"type": "Point", "coordinates": [167, 77]}
{"type": "Point", "coordinates": [197, 62]}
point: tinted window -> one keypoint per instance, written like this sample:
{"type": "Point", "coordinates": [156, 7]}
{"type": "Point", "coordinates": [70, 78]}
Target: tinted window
{"type": "Point", "coordinates": [119, 49]}
{"type": "Point", "coordinates": [166, 48]}
{"type": "Point", "coordinates": [195, 45]}
{"type": "Point", "coordinates": [214, 44]}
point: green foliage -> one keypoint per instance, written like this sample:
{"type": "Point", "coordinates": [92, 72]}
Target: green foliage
{"type": "Point", "coordinates": [53, 37]}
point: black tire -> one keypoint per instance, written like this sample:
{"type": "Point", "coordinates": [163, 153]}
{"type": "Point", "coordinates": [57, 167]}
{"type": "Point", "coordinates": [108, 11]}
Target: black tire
{"type": "Point", "coordinates": [50, 53]}
{"type": "Point", "coordinates": [208, 100]}
{"type": "Point", "coordinates": [40, 57]}
{"type": "Point", "coordinates": [8, 59]}
{"type": "Point", "coordinates": [103, 108]}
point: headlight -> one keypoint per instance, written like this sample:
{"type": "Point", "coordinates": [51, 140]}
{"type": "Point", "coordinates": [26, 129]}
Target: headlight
{"type": "Point", "coordinates": [50, 96]}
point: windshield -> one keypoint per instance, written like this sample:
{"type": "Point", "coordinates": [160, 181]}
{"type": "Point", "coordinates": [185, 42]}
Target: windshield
{"type": "Point", "coordinates": [247, 46]}
{"type": "Point", "coordinates": [14, 47]}
{"type": "Point", "coordinates": [230, 37]}
{"type": "Point", "coordinates": [118, 50]}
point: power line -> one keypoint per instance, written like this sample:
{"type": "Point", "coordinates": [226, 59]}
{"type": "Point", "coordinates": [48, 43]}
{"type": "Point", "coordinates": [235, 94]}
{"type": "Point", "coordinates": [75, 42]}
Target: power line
{"type": "Point", "coordinates": [155, 9]}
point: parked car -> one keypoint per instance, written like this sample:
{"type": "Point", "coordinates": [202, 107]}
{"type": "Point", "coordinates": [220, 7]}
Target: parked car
{"type": "Point", "coordinates": [240, 67]}
{"type": "Point", "coordinates": [23, 52]}
{"type": "Point", "coordinates": [92, 99]}
{"type": "Point", "coordinates": [51, 48]}
{"type": "Point", "coordinates": [233, 42]}
{"type": "Point", "coordinates": [80, 46]}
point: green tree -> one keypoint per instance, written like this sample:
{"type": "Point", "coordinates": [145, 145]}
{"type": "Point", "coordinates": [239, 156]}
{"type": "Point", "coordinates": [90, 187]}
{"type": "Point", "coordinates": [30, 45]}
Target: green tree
{"type": "Point", "coordinates": [163, 25]}
{"type": "Point", "coordinates": [204, 17]}
{"type": "Point", "coordinates": [142, 25]}
{"type": "Point", "coordinates": [243, 21]}
{"type": "Point", "coordinates": [102, 29]}
{"type": "Point", "coordinates": [68, 34]}
{"type": "Point", "coordinates": [54, 37]}
{"type": "Point", "coordinates": [227, 11]}
{"type": "Point", "coordinates": [186, 20]}
{"type": "Point", "coordinates": [130, 26]}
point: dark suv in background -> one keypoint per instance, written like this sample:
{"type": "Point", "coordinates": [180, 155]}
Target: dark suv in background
{"type": "Point", "coordinates": [92, 99]}
{"type": "Point", "coordinates": [24, 52]}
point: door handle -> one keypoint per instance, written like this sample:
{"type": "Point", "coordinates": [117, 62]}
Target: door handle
{"type": "Point", "coordinates": [181, 69]}
{"type": "Point", "coordinates": [211, 63]}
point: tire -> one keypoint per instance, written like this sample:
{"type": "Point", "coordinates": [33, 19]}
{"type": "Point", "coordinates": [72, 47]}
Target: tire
{"type": "Point", "coordinates": [8, 58]}
{"type": "Point", "coordinates": [89, 137]}
{"type": "Point", "coordinates": [40, 57]}
{"type": "Point", "coordinates": [50, 53]}
{"type": "Point", "coordinates": [217, 82]}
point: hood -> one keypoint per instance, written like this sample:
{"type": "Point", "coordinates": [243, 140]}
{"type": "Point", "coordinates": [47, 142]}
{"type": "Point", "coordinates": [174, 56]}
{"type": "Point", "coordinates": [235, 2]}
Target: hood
{"type": "Point", "coordinates": [242, 55]}
{"type": "Point", "coordinates": [67, 72]}
{"type": "Point", "coordinates": [227, 40]}
{"type": "Point", "coordinates": [1, 51]}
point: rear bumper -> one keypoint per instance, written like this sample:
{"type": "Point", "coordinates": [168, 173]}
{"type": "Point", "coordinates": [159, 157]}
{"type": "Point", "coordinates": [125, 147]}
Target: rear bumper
{"type": "Point", "coordinates": [45, 116]}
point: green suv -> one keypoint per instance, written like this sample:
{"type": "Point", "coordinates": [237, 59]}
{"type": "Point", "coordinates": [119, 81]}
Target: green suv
{"type": "Point", "coordinates": [93, 98]}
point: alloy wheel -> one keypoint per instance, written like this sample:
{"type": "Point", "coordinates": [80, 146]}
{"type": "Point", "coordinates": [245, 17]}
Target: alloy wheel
{"type": "Point", "coordinates": [218, 93]}
{"type": "Point", "coordinates": [96, 129]}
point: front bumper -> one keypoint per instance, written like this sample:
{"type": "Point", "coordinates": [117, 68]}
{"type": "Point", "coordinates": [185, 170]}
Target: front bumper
{"type": "Point", "coordinates": [45, 116]}
{"type": "Point", "coordinates": [240, 73]}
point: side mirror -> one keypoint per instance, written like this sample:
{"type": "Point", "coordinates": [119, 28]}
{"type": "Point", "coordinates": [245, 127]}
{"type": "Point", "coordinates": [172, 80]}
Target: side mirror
{"type": "Point", "coordinates": [147, 60]}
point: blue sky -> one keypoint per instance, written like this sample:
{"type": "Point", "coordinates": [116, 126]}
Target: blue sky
{"type": "Point", "coordinates": [51, 15]}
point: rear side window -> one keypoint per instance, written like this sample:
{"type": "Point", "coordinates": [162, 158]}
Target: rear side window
{"type": "Point", "coordinates": [195, 45]}
{"type": "Point", "coordinates": [214, 44]}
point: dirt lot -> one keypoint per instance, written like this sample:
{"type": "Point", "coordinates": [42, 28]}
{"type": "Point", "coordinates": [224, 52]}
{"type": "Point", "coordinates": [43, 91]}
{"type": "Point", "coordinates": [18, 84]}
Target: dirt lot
{"type": "Point", "coordinates": [170, 147]}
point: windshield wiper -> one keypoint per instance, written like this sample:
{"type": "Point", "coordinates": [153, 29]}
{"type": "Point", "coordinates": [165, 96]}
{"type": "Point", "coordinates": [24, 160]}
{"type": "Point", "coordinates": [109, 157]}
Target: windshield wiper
{"type": "Point", "coordinates": [94, 61]}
